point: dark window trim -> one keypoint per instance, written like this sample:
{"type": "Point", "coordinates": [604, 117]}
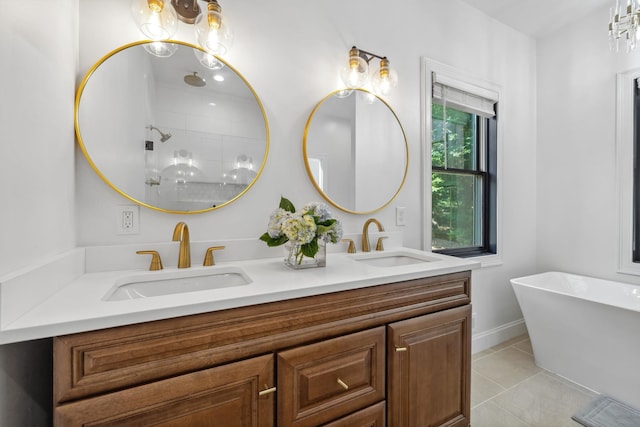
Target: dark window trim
{"type": "Point", "coordinates": [636, 173]}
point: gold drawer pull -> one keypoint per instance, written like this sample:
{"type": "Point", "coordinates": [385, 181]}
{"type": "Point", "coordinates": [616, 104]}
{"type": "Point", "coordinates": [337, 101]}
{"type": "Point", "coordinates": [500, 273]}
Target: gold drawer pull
{"type": "Point", "coordinates": [267, 391]}
{"type": "Point", "coordinates": [343, 384]}
{"type": "Point", "coordinates": [398, 349]}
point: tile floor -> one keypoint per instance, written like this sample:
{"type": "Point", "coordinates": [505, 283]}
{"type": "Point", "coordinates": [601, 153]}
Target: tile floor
{"type": "Point", "coordinates": [509, 390]}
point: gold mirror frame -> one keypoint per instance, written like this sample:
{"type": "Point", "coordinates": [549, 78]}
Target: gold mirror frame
{"type": "Point", "coordinates": [340, 94]}
{"type": "Point", "coordinates": [92, 163]}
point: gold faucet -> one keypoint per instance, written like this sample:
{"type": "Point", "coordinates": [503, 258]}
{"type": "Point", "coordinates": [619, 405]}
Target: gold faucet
{"type": "Point", "coordinates": [365, 233]}
{"type": "Point", "coordinates": [181, 233]}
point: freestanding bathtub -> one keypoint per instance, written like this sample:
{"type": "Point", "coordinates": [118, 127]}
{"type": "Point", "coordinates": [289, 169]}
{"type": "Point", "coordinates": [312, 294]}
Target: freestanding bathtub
{"type": "Point", "coordinates": [585, 329]}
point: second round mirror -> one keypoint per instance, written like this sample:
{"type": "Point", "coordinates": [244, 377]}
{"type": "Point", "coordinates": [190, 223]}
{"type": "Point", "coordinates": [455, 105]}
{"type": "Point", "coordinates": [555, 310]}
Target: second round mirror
{"type": "Point", "coordinates": [355, 151]}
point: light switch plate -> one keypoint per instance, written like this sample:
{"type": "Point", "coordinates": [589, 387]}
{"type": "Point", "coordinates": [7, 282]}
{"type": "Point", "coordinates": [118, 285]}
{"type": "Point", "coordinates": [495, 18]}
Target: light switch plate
{"type": "Point", "coordinates": [401, 216]}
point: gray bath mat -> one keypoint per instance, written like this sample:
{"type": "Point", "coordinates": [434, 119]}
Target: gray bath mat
{"type": "Point", "coordinates": [607, 412]}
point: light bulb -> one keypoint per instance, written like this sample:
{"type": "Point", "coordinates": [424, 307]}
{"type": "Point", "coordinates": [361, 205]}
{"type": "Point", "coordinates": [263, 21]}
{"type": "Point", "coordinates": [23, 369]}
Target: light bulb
{"type": "Point", "coordinates": [355, 73]}
{"type": "Point", "coordinates": [212, 30]}
{"type": "Point", "coordinates": [156, 20]}
{"type": "Point", "coordinates": [384, 79]}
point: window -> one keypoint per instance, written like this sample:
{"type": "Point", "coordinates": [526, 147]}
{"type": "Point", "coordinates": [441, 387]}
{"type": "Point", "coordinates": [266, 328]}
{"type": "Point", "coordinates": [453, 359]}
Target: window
{"type": "Point", "coordinates": [628, 176]}
{"type": "Point", "coordinates": [636, 173]}
{"type": "Point", "coordinates": [463, 169]}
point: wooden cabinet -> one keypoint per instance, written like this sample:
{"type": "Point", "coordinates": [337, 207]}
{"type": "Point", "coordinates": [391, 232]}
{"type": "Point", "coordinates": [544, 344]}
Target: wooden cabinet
{"type": "Point", "coordinates": [429, 375]}
{"type": "Point", "coordinates": [320, 382]}
{"type": "Point", "coordinates": [227, 395]}
{"type": "Point", "coordinates": [396, 354]}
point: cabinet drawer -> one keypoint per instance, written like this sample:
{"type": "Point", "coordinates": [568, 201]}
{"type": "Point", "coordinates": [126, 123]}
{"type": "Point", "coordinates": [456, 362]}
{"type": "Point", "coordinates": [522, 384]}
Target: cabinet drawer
{"type": "Point", "coordinates": [227, 395]}
{"type": "Point", "coordinates": [321, 382]}
{"type": "Point", "coordinates": [373, 416]}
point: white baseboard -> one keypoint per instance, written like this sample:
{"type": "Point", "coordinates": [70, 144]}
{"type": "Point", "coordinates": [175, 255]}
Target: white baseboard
{"type": "Point", "coordinates": [487, 339]}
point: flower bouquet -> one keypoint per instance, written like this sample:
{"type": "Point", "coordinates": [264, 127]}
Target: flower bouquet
{"type": "Point", "coordinates": [305, 233]}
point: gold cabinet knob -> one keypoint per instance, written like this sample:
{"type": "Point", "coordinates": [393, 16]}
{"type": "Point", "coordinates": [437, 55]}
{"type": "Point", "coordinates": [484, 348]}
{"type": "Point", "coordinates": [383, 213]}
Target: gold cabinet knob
{"type": "Point", "coordinates": [208, 256]}
{"type": "Point", "coordinates": [156, 262]}
{"type": "Point", "coordinates": [400, 349]}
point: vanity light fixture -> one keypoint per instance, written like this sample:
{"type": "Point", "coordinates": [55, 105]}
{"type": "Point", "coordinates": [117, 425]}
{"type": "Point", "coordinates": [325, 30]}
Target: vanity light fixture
{"type": "Point", "coordinates": [355, 74]}
{"type": "Point", "coordinates": [623, 23]}
{"type": "Point", "coordinates": [158, 20]}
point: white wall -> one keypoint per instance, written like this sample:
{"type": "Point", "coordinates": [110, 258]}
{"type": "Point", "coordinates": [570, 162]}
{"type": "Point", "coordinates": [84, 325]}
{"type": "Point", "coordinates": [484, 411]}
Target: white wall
{"type": "Point", "coordinates": [291, 52]}
{"type": "Point", "coordinates": [576, 199]}
{"type": "Point", "coordinates": [36, 176]}
{"type": "Point", "coordinates": [292, 59]}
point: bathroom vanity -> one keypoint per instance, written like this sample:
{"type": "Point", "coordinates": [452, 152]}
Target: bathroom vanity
{"type": "Point", "coordinates": [337, 359]}
{"type": "Point", "coordinates": [355, 343]}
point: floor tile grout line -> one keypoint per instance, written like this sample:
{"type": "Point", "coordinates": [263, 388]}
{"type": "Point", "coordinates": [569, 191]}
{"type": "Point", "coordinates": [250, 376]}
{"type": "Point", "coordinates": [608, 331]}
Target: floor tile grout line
{"type": "Point", "coordinates": [506, 390]}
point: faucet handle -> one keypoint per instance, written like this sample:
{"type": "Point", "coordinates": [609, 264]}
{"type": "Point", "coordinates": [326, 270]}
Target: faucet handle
{"type": "Point", "coordinates": [208, 256]}
{"type": "Point", "coordinates": [379, 246]}
{"type": "Point", "coordinates": [352, 246]}
{"type": "Point", "coordinates": [156, 262]}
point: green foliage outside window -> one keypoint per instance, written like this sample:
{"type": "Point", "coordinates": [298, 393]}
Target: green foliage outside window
{"type": "Point", "coordinates": [454, 194]}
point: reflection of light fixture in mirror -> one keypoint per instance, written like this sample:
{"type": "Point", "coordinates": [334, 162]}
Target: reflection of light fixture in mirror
{"type": "Point", "coordinates": [355, 73]}
{"type": "Point", "coordinates": [183, 170]}
{"type": "Point", "coordinates": [194, 80]}
{"type": "Point", "coordinates": [158, 20]}
{"type": "Point", "coordinates": [161, 49]}
{"type": "Point", "coordinates": [243, 172]}
{"type": "Point", "coordinates": [208, 60]}
{"type": "Point", "coordinates": [164, 137]}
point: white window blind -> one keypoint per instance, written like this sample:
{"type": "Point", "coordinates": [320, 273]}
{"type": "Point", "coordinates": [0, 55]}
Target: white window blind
{"type": "Point", "coordinates": [463, 96]}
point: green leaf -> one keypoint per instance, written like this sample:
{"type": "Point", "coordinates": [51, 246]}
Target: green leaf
{"type": "Point", "coordinates": [310, 249]}
{"type": "Point", "coordinates": [286, 205]}
{"type": "Point", "coordinates": [274, 242]}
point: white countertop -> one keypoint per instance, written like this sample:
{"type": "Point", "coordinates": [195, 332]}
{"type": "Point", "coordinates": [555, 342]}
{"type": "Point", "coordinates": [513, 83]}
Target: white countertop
{"type": "Point", "coordinates": [78, 304]}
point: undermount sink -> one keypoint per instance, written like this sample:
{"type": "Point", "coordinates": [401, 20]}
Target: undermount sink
{"type": "Point", "coordinates": [394, 259]}
{"type": "Point", "coordinates": [156, 283]}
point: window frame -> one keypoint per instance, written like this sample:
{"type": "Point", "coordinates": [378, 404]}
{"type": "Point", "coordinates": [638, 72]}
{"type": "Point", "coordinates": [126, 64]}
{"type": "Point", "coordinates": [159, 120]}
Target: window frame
{"type": "Point", "coordinates": [489, 253]}
{"type": "Point", "coordinates": [625, 158]}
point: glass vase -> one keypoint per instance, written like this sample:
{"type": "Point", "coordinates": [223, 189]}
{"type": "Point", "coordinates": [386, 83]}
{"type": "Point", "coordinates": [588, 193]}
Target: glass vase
{"type": "Point", "coordinates": [295, 260]}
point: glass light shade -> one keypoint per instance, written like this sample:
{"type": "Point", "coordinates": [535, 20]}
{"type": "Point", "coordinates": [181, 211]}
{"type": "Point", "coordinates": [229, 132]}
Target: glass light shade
{"type": "Point", "coordinates": [213, 32]}
{"type": "Point", "coordinates": [384, 79]}
{"type": "Point", "coordinates": [161, 49]}
{"type": "Point", "coordinates": [208, 60]}
{"type": "Point", "coordinates": [157, 19]}
{"type": "Point", "coordinates": [355, 72]}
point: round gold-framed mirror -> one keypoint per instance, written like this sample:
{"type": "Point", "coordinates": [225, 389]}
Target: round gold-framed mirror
{"type": "Point", "coordinates": [355, 151]}
{"type": "Point", "coordinates": [170, 127]}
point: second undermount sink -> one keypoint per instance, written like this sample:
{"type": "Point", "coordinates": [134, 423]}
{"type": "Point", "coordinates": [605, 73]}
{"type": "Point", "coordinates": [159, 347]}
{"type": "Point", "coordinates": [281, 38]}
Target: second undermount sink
{"type": "Point", "coordinates": [156, 283]}
{"type": "Point", "coordinates": [394, 259]}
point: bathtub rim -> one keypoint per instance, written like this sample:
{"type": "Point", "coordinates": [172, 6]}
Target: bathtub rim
{"type": "Point", "coordinates": [620, 302]}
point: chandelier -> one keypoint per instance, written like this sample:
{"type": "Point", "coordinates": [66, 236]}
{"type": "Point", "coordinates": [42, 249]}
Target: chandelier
{"type": "Point", "coordinates": [623, 24]}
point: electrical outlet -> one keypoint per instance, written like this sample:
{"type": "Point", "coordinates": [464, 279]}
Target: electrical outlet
{"type": "Point", "coordinates": [401, 216]}
{"type": "Point", "coordinates": [127, 219]}
{"type": "Point", "coordinates": [473, 320]}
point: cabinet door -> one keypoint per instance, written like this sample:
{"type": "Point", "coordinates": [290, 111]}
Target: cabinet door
{"type": "Point", "coordinates": [225, 396]}
{"type": "Point", "coordinates": [429, 370]}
